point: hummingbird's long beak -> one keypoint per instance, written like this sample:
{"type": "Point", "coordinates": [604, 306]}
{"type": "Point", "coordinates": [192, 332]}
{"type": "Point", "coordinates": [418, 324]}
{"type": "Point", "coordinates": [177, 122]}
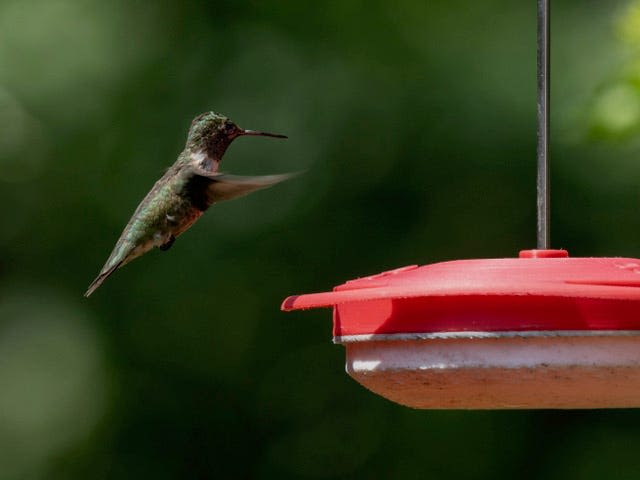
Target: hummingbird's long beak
{"type": "Point", "coordinates": [262, 134]}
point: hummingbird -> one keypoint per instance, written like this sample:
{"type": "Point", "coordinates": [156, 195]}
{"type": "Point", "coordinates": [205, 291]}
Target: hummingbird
{"type": "Point", "coordinates": [186, 190]}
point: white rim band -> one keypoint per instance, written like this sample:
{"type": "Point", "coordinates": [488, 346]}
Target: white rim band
{"type": "Point", "coordinates": [386, 337]}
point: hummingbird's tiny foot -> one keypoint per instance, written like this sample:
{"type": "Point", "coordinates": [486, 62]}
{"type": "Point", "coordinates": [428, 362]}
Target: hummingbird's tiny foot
{"type": "Point", "coordinates": [166, 246]}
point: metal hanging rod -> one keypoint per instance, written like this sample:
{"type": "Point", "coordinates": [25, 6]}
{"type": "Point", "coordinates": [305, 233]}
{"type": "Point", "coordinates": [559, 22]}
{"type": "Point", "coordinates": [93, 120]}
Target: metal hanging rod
{"type": "Point", "coordinates": [543, 124]}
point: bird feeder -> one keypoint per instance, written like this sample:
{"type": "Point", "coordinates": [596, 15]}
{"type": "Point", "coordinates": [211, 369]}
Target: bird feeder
{"type": "Point", "coordinates": [543, 330]}
{"type": "Point", "coordinates": [540, 331]}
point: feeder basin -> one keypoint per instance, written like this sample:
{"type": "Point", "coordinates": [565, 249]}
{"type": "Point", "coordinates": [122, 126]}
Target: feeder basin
{"type": "Point", "coordinates": [466, 370]}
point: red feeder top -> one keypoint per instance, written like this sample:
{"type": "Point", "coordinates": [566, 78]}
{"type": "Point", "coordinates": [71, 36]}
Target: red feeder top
{"type": "Point", "coordinates": [541, 290]}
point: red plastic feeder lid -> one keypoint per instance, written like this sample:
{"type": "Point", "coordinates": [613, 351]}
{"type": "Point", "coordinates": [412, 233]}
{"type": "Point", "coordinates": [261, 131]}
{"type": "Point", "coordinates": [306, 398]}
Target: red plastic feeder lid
{"type": "Point", "coordinates": [542, 290]}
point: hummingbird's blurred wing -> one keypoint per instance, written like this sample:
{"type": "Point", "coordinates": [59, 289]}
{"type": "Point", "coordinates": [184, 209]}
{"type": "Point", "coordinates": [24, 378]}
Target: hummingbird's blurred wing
{"type": "Point", "coordinates": [205, 188]}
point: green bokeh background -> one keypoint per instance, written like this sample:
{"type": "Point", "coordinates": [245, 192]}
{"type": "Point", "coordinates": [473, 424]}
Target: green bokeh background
{"type": "Point", "coordinates": [415, 124]}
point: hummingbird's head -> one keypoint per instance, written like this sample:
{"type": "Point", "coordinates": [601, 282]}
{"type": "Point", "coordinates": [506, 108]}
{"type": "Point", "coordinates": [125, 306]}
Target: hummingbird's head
{"type": "Point", "coordinates": [213, 133]}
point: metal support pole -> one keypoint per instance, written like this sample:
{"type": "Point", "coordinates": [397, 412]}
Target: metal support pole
{"type": "Point", "coordinates": [543, 124]}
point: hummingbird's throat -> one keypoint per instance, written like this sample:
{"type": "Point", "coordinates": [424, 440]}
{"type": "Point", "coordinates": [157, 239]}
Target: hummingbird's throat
{"type": "Point", "coordinates": [203, 161]}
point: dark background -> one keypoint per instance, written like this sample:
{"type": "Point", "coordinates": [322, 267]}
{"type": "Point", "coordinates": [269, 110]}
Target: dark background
{"type": "Point", "coordinates": [415, 124]}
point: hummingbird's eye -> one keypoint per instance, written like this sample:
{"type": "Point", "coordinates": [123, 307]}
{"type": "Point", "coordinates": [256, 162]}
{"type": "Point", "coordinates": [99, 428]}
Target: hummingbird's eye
{"type": "Point", "coordinates": [229, 127]}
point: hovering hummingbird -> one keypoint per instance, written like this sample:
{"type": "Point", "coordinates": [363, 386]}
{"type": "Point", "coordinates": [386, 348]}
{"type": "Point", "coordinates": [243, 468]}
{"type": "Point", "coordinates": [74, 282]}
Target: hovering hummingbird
{"type": "Point", "coordinates": [184, 192]}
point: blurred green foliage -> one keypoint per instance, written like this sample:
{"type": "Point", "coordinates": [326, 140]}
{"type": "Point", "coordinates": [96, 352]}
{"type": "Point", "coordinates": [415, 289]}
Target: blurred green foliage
{"type": "Point", "coordinates": [615, 110]}
{"type": "Point", "coordinates": [415, 123]}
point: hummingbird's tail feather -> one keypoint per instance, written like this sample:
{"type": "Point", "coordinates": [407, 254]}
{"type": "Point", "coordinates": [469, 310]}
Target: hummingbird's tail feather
{"type": "Point", "coordinates": [101, 278]}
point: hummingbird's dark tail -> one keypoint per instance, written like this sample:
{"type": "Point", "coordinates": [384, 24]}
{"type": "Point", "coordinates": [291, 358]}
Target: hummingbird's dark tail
{"type": "Point", "coordinates": [101, 278]}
